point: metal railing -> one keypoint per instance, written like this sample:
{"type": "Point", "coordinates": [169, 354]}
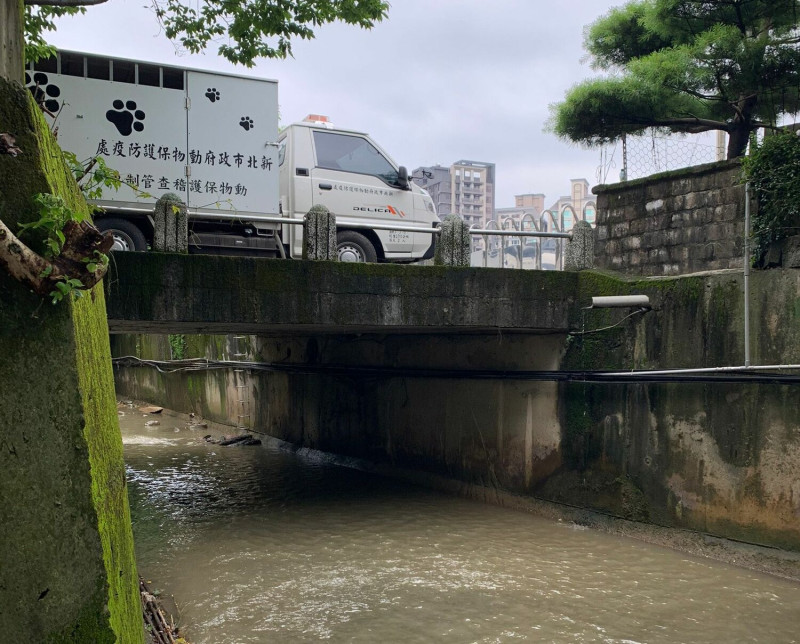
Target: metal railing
{"type": "Point", "coordinates": [510, 230]}
{"type": "Point", "coordinates": [499, 251]}
{"type": "Point", "coordinates": [502, 247]}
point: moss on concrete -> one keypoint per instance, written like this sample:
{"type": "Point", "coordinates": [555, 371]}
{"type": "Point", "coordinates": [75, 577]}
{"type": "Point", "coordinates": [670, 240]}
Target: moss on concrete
{"type": "Point", "coordinates": [68, 569]}
{"type": "Point", "coordinates": [109, 490]}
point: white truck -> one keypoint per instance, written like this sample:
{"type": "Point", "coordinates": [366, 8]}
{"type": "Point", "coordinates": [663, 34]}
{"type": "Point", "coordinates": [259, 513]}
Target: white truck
{"type": "Point", "coordinates": [213, 139]}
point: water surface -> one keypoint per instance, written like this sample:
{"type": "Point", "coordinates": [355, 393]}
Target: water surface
{"type": "Point", "coordinates": [259, 544]}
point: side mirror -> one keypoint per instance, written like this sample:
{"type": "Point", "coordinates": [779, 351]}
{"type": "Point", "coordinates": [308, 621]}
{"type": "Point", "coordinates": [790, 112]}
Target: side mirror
{"type": "Point", "coordinates": [402, 178]}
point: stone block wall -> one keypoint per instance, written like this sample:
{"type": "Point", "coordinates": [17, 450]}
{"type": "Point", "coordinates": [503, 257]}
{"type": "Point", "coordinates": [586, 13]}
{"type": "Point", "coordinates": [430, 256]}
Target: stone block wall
{"type": "Point", "coordinates": [673, 223]}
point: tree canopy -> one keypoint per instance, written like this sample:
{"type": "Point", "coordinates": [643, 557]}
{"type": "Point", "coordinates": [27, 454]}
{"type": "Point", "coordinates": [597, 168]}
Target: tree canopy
{"type": "Point", "coordinates": [242, 31]}
{"type": "Point", "coordinates": [687, 66]}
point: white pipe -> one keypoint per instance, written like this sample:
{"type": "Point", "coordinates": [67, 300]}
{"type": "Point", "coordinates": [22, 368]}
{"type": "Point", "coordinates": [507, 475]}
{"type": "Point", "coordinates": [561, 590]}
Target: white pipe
{"type": "Point", "coordinates": [747, 274]}
{"type": "Point", "coordinates": [618, 301]}
{"type": "Point", "coordinates": [669, 372]}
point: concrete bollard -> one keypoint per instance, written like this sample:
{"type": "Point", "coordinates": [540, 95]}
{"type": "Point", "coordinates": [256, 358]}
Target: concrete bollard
{"type": "Point", "coordinates": [454, 243]}
{"type": "Point", "coordinates": [171, 225]}
{"type": "Point", "coordinates": [320, 234]}
{"type": "Point", "coordinates": [579, 254]}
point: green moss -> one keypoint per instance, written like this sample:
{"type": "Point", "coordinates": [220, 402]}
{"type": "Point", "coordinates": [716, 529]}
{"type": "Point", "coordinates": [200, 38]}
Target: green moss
{"type": "Point", "coordinates": [177, 345]}
{"type": "Point", "coordinates": [69, 573]}
{"type": "Point", "coordinates": [104, 441]}
{"type": "Point", "coordinates": [633, 502]}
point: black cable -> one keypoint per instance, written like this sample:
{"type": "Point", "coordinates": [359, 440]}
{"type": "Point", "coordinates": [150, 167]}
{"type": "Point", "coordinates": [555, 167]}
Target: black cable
{"type": "Point", "coordinates": [615, 377]}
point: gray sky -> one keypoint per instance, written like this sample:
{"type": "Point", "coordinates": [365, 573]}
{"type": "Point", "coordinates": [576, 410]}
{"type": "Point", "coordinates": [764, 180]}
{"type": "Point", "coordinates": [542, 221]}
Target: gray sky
{"type": "Point", "coordinates": [439, 81]}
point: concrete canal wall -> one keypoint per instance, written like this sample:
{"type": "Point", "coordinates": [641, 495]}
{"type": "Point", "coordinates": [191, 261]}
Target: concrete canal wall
{"type": "Point", "coordinates": [719, 458]}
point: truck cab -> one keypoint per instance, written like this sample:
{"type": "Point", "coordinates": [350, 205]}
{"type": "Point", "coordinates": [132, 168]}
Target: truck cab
{"type": "Point", "coordinates": [351, 175]}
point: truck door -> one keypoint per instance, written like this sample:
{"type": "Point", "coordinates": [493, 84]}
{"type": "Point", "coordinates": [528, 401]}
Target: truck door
{"type": "Point", "coordinates": [233, 153]}
{"type": "Point", "coordinates": [359, 184]}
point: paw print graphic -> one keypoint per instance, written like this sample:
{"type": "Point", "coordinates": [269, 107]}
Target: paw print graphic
{"type": "Point", "coordinates": [247, 123]}
{"type": "Point", "coordinates": [43, 92]}
{"type": "Point", "coordinates": [212, 94]}
{"type": "Point", "coordinates": [126, 117]}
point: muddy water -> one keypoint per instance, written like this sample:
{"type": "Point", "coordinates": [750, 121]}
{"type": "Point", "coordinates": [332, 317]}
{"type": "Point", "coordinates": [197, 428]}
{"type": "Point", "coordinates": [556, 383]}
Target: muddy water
{"type": "Point", "coordinates": [259, 544]}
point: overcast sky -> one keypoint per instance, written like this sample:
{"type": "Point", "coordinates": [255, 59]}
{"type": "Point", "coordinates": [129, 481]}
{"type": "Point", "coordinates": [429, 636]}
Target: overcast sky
{"type": "Point", "coordinates": [438, 81]}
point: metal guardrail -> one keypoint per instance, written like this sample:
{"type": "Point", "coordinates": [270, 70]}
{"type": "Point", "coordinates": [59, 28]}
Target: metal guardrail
{"type": "Point", "coordinates": [502, 233]}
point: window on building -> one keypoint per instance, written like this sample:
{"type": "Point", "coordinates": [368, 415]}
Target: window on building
{"type": "Point", "coordinates": [352, 154]}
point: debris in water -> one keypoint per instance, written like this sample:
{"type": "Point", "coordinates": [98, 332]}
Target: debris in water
{"type": "Point", "coordinates": [150, 409]}
{"type": "Point", "coordinates": [158, 630]}
{"type": "Point", "coordinates": [152, 423]}
{"type": "Point", "coordinates": [238, 441]}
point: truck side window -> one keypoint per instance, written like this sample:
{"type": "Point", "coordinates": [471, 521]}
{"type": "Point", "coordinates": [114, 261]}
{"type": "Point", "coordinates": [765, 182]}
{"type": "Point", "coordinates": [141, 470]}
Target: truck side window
{"type": "Point", "coordinates": [72, 64]}
{"type": "Point", "coordinates": [49, 64]}
{"type": "Point", "coordinates": [149, 75]}
{"type": "Point", "coordinates": [173, 78]}
{"type": "Point", "coordinates": [98, 68]}
{"type": "Point", "coordinates": [352, 154]}
{"type": "Point", "coordinates": [281, 151]}
{"type": "Point", "coordinates": [123, 71]}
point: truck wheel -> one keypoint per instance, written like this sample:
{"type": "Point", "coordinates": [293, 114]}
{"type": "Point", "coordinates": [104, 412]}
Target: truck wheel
{"type": "Point", "coordinates": [127, 235]}
{"type": "Point", "coordinates": [354, 247]}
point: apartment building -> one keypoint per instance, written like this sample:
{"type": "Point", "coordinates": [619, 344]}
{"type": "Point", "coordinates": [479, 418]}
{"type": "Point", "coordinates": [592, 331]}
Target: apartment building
{"type": "Point", "coordinates": [465, 188]}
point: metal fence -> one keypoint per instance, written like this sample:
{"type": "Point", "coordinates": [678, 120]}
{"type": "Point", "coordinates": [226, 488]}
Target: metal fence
{"type": "Point", "coordinates": [532, 242]}
{"type": "Point", "coordinates": [634, 157]}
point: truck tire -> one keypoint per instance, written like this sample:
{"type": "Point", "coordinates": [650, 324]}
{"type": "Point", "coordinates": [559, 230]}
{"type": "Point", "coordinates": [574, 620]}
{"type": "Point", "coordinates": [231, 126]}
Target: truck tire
{"type": "Point", "coordinates": [354, 247]}
{"type": "Point", "coordinates": [127, 235]}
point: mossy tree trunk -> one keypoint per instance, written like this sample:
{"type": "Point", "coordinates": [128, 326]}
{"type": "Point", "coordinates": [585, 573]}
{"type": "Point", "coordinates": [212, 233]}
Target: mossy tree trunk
{"type": "Point", "coordinates": [68, 572]}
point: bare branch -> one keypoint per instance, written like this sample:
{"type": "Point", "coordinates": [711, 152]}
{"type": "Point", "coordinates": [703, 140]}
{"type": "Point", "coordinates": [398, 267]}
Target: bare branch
{"type": "Point", "coordinates": [22, 263]}
{"type": "Point", "coordinates": [40, 274]}
{"type": "Point", "coordinates": [702, 125]}
{"type": "Point", "coordinates": [63, 3]}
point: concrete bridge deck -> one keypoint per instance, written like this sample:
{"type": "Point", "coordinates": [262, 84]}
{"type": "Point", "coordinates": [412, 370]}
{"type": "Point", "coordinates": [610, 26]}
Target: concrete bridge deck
{"type": "Point", "coordinates": [167, 293]}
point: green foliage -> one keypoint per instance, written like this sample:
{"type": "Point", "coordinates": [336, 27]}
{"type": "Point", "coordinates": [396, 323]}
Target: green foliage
{"type": "Point", "coordinates": [622, 37]}
{"type": "Point", "coordinates": [92, 175]}
{"type": "Point", "coordinates": [95, 261]}
{"type": "Point", "coordinates": [773, 170]}
{"type": "Point", "coordinates": [177, 346]}
{"type": "Point", "coordinates": [64, 287]}
{"type": "Point", "coordinates": [259, 28]}
{"type": "Point", "coordinates": [687, 66]}
{"type": "Point", "coordinates": [38, 20]}
{"type": "Point", "coordinates": [53, 216]}
{"type": "Point", "coordinates": [248, 30]}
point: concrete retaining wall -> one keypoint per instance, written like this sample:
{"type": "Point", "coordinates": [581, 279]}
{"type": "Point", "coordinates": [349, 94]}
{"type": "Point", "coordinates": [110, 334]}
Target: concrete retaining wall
{"type": "Point", "coordinates": [673, 223]}
{"type": "Point", "coordinates": [68, 572]}
{"type": "Point", "coordinates": [720, 458]}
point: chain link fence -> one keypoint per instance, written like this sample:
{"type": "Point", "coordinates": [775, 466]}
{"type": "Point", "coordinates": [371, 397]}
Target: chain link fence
{"type": "Point", "coordinates": [634, 157]}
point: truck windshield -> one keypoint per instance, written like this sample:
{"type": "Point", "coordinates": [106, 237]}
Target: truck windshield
{"type": "Point", "coordinates": [352, 154]}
